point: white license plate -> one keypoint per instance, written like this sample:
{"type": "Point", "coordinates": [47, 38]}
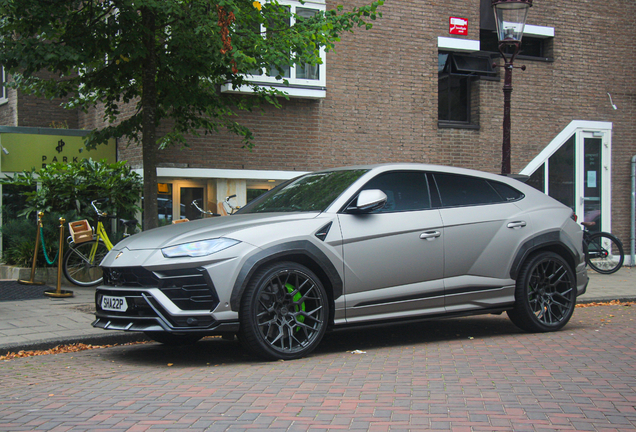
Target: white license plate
{"type": "Point", "coordinates": [117, 304]}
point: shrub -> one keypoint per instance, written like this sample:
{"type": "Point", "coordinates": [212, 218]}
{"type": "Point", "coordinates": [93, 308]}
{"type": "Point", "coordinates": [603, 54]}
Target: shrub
{"type": "Point", "coordinates": [65, 190]}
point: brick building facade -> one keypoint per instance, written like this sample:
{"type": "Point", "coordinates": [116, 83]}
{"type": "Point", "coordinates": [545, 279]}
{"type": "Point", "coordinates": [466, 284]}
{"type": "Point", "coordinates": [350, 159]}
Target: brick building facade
{"type": "Point", "coordinates": [382, 104]}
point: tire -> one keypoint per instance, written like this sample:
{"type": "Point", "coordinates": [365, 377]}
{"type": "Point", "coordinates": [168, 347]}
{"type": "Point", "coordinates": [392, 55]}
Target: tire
{"type": "Point", "coordinates": [545, 295]}
{"type": "Point", "coordinates": [77, 268]}
{"type": "Point", "coordinates": [284, 312]}
{"type": "Point", "coordinates": [604, 253]}
{"type": "Point", "coordinates": [172, 339]}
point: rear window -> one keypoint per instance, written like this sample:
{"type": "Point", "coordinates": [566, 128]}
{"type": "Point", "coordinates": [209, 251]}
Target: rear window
{"type": "Point", "coordinates": [460, 190]}
{"type": "Point", "coordinates": [508, 193]}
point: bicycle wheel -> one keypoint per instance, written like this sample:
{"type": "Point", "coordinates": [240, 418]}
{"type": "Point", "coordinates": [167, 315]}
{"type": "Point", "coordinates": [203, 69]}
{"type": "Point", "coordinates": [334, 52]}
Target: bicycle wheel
{"type": "Point", "coordinates": [77, 266]}
{"type": "Point", "coordinates": [604, 253]}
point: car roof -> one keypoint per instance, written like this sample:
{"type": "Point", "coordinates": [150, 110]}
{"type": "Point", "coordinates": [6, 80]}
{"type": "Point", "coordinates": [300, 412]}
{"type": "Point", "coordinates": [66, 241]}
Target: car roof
{"type": "Point", "coordinates": [376, 169]}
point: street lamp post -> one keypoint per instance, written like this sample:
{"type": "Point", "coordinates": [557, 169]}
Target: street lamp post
{"type": "Point", "coordinates": [510, 16]}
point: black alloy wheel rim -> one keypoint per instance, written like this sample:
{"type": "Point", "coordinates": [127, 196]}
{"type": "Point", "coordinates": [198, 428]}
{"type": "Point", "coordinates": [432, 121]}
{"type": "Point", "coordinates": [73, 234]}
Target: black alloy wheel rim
{"type": "Point", "coordinates": [551, 292]}
{"type": "Point", "coordinates": [290, 312]}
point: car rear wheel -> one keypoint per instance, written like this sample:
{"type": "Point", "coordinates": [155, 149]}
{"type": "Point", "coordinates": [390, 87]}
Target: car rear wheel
{"type": "Point", "coordinates": [284, 312]}
{"type": "Point", "coordinates": [545, 294]}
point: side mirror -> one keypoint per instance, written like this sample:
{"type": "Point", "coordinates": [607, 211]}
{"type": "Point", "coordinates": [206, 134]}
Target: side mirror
{"type": "Point", "coordinates": [368, 201]}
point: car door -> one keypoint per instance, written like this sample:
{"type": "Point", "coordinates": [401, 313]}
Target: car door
{"type": "Point", "coordinates": [394, 257]}
{"type": "Point", "coordinates": [482, 228]}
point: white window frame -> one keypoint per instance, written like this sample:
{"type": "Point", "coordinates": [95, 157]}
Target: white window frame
{"type": "Point", "coordinates": [301, 88]}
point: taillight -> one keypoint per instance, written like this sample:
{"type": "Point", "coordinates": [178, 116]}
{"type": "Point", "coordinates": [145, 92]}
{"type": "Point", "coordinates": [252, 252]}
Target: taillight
{"type": "Point", "coordinates": [574, 217]}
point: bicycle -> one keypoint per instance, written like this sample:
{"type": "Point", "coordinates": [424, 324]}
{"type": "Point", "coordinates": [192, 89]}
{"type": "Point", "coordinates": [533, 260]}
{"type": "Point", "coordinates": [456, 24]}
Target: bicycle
{"type": "Point", "coordinates": [603, 251]}
{"type": "Point", "coordinates": [82, 258]}
{"type": "Point", "coordinates": [203, 212]}
{"type": "Point", "coordinates": [229, 208]}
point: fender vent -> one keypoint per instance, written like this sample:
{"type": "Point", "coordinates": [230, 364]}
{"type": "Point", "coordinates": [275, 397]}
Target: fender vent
{"type": "Point", "coordinates": [322, 232]}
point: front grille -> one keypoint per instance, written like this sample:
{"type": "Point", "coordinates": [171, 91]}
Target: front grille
{"type": "Point", "coordinates": [189, 289]}
{"type": "Point", "coordinates": [143, 308]}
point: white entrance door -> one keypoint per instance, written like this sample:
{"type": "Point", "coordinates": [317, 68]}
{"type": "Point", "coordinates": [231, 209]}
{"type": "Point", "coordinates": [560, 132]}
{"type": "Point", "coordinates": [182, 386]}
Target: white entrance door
{"type": "Point", "coordinates": [593, 179]}
{"type": "Point", "coordinates": [575, 169]}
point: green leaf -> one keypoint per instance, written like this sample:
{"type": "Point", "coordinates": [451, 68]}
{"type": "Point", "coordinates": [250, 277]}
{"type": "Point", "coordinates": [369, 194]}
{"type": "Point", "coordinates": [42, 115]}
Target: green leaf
{"type": "Point", "coordinates": [162, 60]}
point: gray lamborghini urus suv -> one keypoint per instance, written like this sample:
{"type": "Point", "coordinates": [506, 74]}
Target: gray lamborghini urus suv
{"type": "Point", "coordinates": [348, 247]}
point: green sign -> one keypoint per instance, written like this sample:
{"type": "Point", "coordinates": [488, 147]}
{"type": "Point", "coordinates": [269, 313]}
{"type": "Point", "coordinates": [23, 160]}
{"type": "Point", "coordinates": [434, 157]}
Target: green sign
{"type": "Point", "coordinates": [23, 151]}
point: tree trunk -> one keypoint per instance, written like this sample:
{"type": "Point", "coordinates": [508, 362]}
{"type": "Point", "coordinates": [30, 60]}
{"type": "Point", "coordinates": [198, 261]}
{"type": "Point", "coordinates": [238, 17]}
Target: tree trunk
{"type": "Point", "coordinates": [149, 124]}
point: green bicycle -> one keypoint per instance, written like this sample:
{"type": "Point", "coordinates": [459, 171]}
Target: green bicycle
{"type": "Point", "coordinates": [86, 249]}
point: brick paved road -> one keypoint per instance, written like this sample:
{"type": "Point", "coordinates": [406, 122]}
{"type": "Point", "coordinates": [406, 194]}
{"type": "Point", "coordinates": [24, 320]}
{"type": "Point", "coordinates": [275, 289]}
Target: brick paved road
{"type": "Point", "coordinates": [477, 373]}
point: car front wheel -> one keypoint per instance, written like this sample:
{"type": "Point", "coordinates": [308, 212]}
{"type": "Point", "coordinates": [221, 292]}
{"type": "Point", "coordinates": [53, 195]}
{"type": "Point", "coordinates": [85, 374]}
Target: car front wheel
{"type": "Point", "coordinates": [545, 294]}
{"type": "Point", "coordinates": [284, 312]}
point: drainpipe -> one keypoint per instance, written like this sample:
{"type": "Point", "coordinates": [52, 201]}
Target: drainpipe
{"type": "Point", "coordinates": [633, 233]}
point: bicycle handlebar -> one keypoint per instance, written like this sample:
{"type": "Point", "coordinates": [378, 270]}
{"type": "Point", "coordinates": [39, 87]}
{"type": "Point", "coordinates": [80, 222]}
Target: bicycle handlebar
{"type": "Point", "coordinates": [196, 204]}
{"type": "Point", "coordinates": [232, 208]}
{"type": "Point", "coordinates": [98, 211]}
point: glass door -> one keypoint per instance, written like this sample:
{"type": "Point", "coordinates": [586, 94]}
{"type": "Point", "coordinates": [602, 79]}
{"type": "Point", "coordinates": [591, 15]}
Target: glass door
{"type": "Point", "coordinates": [576, 169]}
{"type": "Point", "coordinates": [187, 194]}
{"type": "Point", "coordinates": [175, 200]}
{"type": "Point", "coordinates": [592, 179]}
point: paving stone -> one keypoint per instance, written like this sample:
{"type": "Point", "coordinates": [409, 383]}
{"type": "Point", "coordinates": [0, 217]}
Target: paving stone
{"type": "Point", "coordinates": [423, 376]}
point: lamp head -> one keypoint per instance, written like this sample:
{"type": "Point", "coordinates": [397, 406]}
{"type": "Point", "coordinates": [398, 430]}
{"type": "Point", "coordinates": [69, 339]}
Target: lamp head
{"type": "Point", "coordinates": [510, 16]}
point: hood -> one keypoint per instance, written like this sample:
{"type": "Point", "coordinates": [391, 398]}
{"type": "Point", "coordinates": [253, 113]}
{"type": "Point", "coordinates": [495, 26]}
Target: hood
{"type": "Point", "coordinates": [204, 229]}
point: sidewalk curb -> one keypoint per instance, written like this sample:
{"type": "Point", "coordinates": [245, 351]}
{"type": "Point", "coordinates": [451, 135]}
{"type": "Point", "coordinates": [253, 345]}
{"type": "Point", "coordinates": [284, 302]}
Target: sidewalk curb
{"type": "Point", "coordinates": [118, 338]}
{"type": "Point", "coordinates": [606, 300]}
{"type": "Point", "coordinates": [111, 338]}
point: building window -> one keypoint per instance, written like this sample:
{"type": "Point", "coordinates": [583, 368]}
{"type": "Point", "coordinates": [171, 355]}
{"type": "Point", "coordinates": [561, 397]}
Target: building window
{"type": "Point", "coordinates": [536, 43]}
{"type": "Point", "coordinates": [3, 89]}
{"type": "Point", "coordinates": [299, 80]}
{"type": "Point", "coordinates": [454, 98]}
{"type": "Point", "coordinates": [457, 89]}
{"type": "Point", "coordinates": [532, 48]}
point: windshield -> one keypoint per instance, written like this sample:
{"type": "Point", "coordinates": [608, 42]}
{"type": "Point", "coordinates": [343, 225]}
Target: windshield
{"type": "Point", "coordinates": [309, 193]}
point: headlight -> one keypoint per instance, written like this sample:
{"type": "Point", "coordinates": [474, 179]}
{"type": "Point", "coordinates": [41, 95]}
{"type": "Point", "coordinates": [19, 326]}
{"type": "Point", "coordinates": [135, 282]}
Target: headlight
{"type": "Point", "coordinates": [198, 249]}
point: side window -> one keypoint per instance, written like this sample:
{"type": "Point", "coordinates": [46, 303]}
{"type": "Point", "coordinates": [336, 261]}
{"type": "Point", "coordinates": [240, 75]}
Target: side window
{"type": "Point", "coordinates": [459, 190]}
{"type": "Point", "coordinates": [508, 193]}
{"type": "Point", "coordinates": [405, 191]}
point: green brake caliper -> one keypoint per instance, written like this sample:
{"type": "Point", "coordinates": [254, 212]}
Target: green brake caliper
{"type": "Point", "coordinates": [290, 289]}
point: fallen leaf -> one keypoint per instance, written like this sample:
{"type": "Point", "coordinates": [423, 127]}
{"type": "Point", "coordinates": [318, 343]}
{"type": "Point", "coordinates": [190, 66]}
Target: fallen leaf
{"type": "Point", "coordinates": [60, 349]}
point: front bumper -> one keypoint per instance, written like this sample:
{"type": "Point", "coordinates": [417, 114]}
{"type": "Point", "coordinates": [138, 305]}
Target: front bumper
{"type": "Point", "coordinates": [176, 301]}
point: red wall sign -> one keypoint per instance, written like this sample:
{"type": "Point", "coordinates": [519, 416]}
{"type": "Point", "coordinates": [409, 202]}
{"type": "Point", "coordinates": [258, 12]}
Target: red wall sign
{"type": "Point", "coordinates": [457, 26]}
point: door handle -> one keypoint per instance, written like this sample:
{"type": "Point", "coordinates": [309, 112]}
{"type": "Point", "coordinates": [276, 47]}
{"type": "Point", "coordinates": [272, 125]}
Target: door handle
{"type": "Point", "coordinates": [430, 235]}
{"type": "Point", "coordinates": [517, 224]}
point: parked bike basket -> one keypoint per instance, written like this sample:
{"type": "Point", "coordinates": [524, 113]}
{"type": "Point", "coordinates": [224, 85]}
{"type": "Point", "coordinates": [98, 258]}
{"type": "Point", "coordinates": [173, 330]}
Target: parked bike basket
{"type": "Point", "coordinates": [81, 231]}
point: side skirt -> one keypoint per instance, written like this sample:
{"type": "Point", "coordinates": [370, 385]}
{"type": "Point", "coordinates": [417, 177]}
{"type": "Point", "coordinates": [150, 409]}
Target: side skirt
{"type": "Point", "coordinates": [383, 323]}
